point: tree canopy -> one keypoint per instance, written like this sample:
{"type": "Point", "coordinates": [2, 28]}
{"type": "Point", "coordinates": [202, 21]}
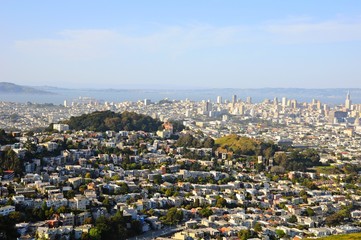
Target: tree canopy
{"type": "Point", "coordinates": [6, 138]}
{"type": "Point", "coordinates": [10, 161]}
{"type": "Point", "coordinates": [107, 120]}
{"type": "Point", "coordinates": [188, 140]}
{"type": "Point", "coordinates": [298, 160]}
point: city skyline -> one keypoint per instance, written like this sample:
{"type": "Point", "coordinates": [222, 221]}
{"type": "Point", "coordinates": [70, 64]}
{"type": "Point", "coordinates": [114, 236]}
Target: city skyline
{"type": "Point", "coordinates": [162, 120]}
{"type": "Point", "coordinates": [193, 44]}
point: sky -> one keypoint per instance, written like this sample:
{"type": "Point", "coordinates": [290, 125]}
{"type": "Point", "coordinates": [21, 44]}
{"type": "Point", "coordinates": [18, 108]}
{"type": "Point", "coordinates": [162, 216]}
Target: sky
{"type": "Point", "coordinates": [181, 44]}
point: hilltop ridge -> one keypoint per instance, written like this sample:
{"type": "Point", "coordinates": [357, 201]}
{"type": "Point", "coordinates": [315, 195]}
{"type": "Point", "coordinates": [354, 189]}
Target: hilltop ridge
{"type": "Point", "coordinates": [7, 87]}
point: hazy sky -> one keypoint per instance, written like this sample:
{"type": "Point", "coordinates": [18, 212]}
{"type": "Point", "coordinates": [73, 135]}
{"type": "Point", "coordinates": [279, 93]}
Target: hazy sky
{"type": "Point", "coordinates": [184, 43]}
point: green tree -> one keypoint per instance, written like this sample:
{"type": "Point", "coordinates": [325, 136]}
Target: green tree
{"type": "Point", "coordinates": [169, 192]}
{"type": "Point", "coordinates": [280, 233]}
{"type": "Point", "coordinates": [16, 217]}
{"type": "Point", "coordinates": [10, 161]}
{"type": "Point", "coordinates": [95, 233]}
{"type": "Point", "coordinates": [257, 227]}
{"type": "Point", "coordinates": [136, 227]}
{"type": "Point", "coordinates": [158, 179]}
{"type": "Point", "coordinates": [124, 189]}
{"type": "Point", "coordinates": [208, 142]}
{"type": "Point", "coordinates": [310, 212]}
{"type": "Point", "coordinates": [173, 216]}
{"type": "Point", "coordinates": [205, 212]}
{"type": "Point", "coordinates": [292, 219]}
{"type": "Point", "coordinates": [221, 202]}
{"type": "Point", "coordinates": [106, 203]}
{"type": "Point", "coordinates": [244, 234]}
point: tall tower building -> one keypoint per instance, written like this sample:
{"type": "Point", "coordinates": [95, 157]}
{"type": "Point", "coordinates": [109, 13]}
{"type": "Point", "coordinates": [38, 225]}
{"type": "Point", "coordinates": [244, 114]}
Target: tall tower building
{"type": "Point", "coordinates": [219, 99]}
{"type": "Point", "coordinates": [284, 102]}
{"type": "Point", "coordinates": [241, 110]}
{"type": "Point", "coordinates": [348, 101]}
{"type": "Point", "coordinates": [249, 100]}
{"type": "Point", "coordinates": [275, 101]}
{"type": "Point", "coordinates": [207, 106]}
{"type": "Point", "coordinates": [146, 102]}
{"type": "Point", "coordinates": [294, 103]}
{"type": "Point", "coordinates": [234, 98]}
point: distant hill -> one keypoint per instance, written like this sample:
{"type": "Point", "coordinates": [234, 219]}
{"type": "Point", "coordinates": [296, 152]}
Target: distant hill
{"type": "Point", "coordinates": [101, 121]}
{"type": "Point", "coordinates": [6, 87]}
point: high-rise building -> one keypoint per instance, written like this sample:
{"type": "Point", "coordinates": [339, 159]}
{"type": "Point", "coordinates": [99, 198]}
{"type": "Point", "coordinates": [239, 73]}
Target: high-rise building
{"type": "Point", "coordinates": [249, 100]}
{"type": "Point", "coordinates": [207, 107]}
{"type": "Point", "coordinates": [147, 102]}
{"type": "Point", "coordinates": [275, 101]}
{"type": "Point", "coordinates": [294, 103]}
{"type": "Point", "coordinates": [219, 99]}
{"type": "Point", "coordinates": [241, 110]}
{"type": "Point", "coordinates": [284, 102]}
{"type": "Point", "coordinates": [234, 98]}
{"type": "Point", "coordinates": [348, 102]}
{"type": "Point", "coordinates": [337, 117]}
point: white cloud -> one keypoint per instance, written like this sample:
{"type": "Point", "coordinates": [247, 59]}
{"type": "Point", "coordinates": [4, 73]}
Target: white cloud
{"type": "Point", "coordinates": [70, 44]}
{"type": "Point", "coordinates": [95, 43]}
{"type": "Point", "coordinates": [173, 41]}
{"type": "Point", "coordinates": [308, 31]}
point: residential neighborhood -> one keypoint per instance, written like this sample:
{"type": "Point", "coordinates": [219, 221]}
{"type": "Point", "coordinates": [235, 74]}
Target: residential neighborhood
{"type": "Point", "coordinates": [213, 170]}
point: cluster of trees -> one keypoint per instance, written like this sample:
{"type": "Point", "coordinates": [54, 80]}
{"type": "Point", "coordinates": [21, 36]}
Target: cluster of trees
{"type": "Point", "coordinates": [247, 234]}
{"type": "Point", "coordinates": [7, 226]}
{"type": "Point", "coordinates": [114, 227]}
{"type": "Point", "coordinates": [188, 140]}
{"type": "Point", "coordinates": [26, 214]}
{"type": "Point", "coordinates": [246, 146]}
{"type": "Point", "coordinates": [10, 161]}
{"type": "Point", "coordinates": [30, 214]}
{"type": "Point", "coordinates": [172, 217]}
{"type": "Point", "coordinates": [338, 217]}
{"type": "Point", "coordinates": [101, 121]}
{"type": "Point", "coordinates": [177, 125]}
{"type": "Point", "coordinates": [298, 160]}
{"type": "Point", "coordinates": [6, 138]}
{"type": "Point", "coordinates": [205, 212]}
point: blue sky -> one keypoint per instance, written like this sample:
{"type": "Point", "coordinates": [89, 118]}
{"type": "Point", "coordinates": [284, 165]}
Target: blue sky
{"type": "Point", "coordinates": [181, 44]}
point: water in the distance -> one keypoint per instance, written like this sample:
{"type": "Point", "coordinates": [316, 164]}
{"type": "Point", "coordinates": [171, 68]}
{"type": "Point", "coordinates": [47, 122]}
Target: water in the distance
{"type": "Point", "coordinates": [57, 96]}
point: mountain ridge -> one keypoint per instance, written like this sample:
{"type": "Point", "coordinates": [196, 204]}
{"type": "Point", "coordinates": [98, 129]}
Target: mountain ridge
{"type": "Point", "coordinates": [8, 87]}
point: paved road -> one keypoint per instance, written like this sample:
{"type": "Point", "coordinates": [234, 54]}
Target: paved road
{"type": "Point", "coordinates": [157, 233]}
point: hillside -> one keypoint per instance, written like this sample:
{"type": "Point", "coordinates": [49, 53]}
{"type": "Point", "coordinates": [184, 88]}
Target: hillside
{"type": "Point", "coordinates": [342, 237]}
{"type": "Point", "coordinates": [245, 146]}
{"type": "Point", "coordinates": [6, 87]}
{"type": "Point", "coordinates": [108, 120]}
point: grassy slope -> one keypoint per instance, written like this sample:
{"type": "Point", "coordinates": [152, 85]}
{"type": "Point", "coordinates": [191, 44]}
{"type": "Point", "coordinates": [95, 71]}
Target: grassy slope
{"type": "Point", "coordinates": [352, 236]}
